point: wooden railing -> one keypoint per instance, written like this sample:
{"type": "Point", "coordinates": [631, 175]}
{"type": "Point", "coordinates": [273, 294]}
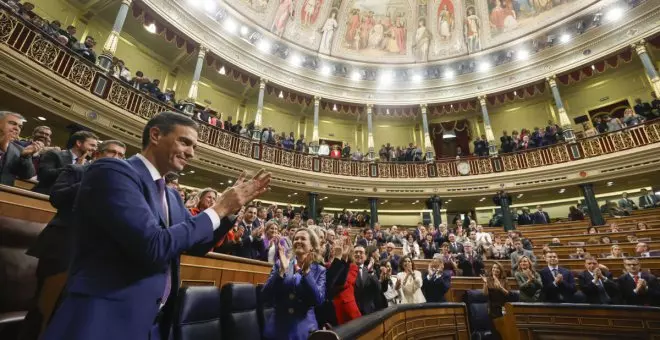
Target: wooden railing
{"type": "Point", "coordinates": [38, 47]}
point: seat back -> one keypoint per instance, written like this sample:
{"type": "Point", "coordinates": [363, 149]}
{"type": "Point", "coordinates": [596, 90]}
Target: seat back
{"type": "Point", "coordinates": [477, 307]}
{"type": "Point", "coordinates": [198, 314]}
{"type": "Point", "coordinates": [240, 319]}
{"type": "Point", "coordinates": [264, 308]}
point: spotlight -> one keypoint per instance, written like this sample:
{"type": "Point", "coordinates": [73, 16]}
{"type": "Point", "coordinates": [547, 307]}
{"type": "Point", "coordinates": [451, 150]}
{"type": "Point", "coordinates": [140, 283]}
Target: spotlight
{"type": "Point", "coordinates": [565, 38]}
{"type": "Point", "coordinates": [244, 30]}
{"type": "Point", "coordinates": [484, 66]}
{"type": "Point", "coordinates": [386, 77]}
{"type": "Point", "coordinates": [281, 95]}
{"type": "Point", "coordinates": [222, 71]}
{"type": "Point", "coordinates": [562, 190]}
{"type": "Point", "coordinates": [334, 107]}
{"type": "Point", "coordinates": [523, 55]}
{"type": "Point", "coordinates": [520, 195]}
{"type": "Point", "coordinates": [609, 184]}
{"type": "Point", "coordinates": [355, 76]}
{"type": "Point", "coordinates": [614, 14]}
{"type": "Point", "coordinates": [230, 25]}
{"type": "Point", "coordinates": [151, 28]}
{"type": "Point", "coordinates": [195, 3]}
{"type": "Point", "coordinates": [229, 181]}
{"type": "Point", "coordinates": [325, 70]}
{"type": "Point", "coordinates": [210, 6]}
{"type": "Point", "coordinates": [417, 78]}
{"type": "Point", "coordinates": [295, 60]}
{"type": "Point", "coordinates": [41, 118]}
{"type": "Point", "coordinates": [264, 46]}
{"type": "Point", "coordinates": [449, 74]}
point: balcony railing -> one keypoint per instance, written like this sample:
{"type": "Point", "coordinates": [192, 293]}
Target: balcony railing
{"type": "Point", "coordinates": [28, 40]}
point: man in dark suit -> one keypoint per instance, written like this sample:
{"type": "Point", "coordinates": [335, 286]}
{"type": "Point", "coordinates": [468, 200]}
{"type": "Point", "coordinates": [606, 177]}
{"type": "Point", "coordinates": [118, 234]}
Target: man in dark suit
{"type": "Point", "coordinates": [597, 284]}
{"type": "Point", "coordinates": [648, 199]}
{"type": "Point", "coordinates": [15, 161]}
{"type": "Point", "coordinates": [436, 282]}
{"type": "Point", "coordinates": [643, 109]}
{"type": "Point", "coordinates": [248, 243]}
{"type": "Point", "coordinates": [470, 263]}
{"type": "Point", "coordinates": [525, 218]}
{"type": "Point", "coordinates": [52, 163]}
{"type": "Point", "coordinates": [54, 246]}
{"type": "Point", "coordinates": [131, 231]}
{"type": "Point", "coordinates": [454, 247]}
{"type": "Point", "coordinates": [638, 287]}
{"type": "Point", "coordinates": [540, 216]}
{"type": "Point", "coordinates": [368, 239]}
{"type": "Point", "coordinates": [391, 256]}
{"type": "Point", "coordinates": [367, 287]}
{"type": "Point", "coordinates": [558, 282]}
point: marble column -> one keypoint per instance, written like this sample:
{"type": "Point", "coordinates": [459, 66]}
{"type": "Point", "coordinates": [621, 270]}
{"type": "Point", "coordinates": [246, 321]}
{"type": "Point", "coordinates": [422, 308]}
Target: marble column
{"type": "Point", "coordinates": [192, 92]}
{"type": "Point", "coordinates": [649, 67]}
{"type": "Point", "coordinates": [373, 207]}
{"type": "Point", "coordinates": [370, 135]}
{"type": "Point", "coordinates": [428, 147]}
{"type": "Point", "coordinates": [110, 46]}
{"type": "Point", "coordinates": [436, 204]}
{"type": "Point", "coordinates": [312, 198]}
{"type": "Point", "coordinates": [256, 133]}
{"type": "Point", "coordinates": [592, 204]}
{"type": "Point", "coordinates": [314, 145]}
{"type": "Point", "coordinates": [492, 147]}
{"type": "Point", "coordinates": [564, 121]}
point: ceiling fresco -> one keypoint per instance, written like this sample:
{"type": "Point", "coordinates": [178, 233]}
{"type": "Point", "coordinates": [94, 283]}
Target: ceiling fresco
{"type": "Point", "coordinates": [404, 31]}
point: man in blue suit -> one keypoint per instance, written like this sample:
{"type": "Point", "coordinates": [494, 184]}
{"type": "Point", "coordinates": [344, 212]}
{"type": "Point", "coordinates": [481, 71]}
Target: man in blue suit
{"type": "Point", "coordinates": [558, 282]}
{"type": "Point", "coordinates": [540, 216]}
{"type": "Point", "coordinates": [130, 232]}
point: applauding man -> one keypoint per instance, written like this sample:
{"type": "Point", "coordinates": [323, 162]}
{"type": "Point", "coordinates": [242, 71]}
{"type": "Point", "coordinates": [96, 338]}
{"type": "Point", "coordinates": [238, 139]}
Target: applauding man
{"type": "Point", "coordinates": [15, 161]}
{"type": "Point", "coordinates": [124, 276]}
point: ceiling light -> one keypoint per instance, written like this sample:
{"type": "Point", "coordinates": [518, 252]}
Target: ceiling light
{"type": "Point", "coordinates": [229, 181]}
{"type": "Point", "coordinates": [449, 74]}
{"type": "Point", "coordinates": [196, 3]}
{"type": "Point", "coordinates": [244, 30]}
{"type": "Point", "coordinates": [387, 111]}
{"type": "Point", "coordinates": [210, 6]}
{"type": "Point", "coordinates": [609, 184]}
{"type": "Point", "coordinates": [230, 25]}
{"type": "Point", "coordinates": [417, 78]}
{"type": "Point", "coordinates": [288, 196]}
{"type": "Point", "coordinates": [334, 107]}
{"type": "Point", "coordinates": [295, 193]}
{"type": "Point", "coordinates": [562, 190]}
{"type": "Point", "coordinates": [192, 171]}
{"type": "Point", "coordinates": [482, 199]}
{"type": "Point", "coordinates": [182, 174]}
{"type": "Point", "coordinates": [417, 201]}
{"type": "Point", "coordinates": [446, 202]}
{"type": "Point", "coordinates": [325, 70]}
{"type": "Point", "coordinates": [386, 77]}
{"type": "Point", "coordinates": [355, 76]}
{"type": "Point", "coordinates": [222, 71]}
{"type": "Point", "coordinates": [515, 93]}
{"type": "Point", "coordinates": [41, 118]}
{"type": "Point", "coordinates": [151, 28]}
{"type": "Point", "coordinates": [593, 67]}
{"type": "Point", "coordinates": [264, 46]}
{"type": "Point", "coordinates": [520, 195]}
{"type": "Point", "coordinates": [281, 95]}
{"type": "Point", "coordinates": [614, 14]}
{"type": "Point", "coordinates": [295, 60]}
{"type": "Point", "coordinates": [484, 66]}
{"type": "Point", "coordinates": [448, 135]}
{"type": "Point", "coordinates": [523, 55]}
{"type": "Point", "coordinates": [325, 197]}
{"type": "Point", "coordinates": [449, 200]}
{"type": "Point", "coordinates": [565, 38]}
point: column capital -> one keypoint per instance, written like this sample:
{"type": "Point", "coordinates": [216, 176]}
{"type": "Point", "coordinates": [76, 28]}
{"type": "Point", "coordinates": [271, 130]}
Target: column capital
{"type": "Point", "coordinates": [317, 100]}
{"type": "Point", "coordinates": [262, 83]}
{"type": "Point", "coordinates": [202, 51]}
{"type": "Point", "coordinates": [482, 99]}
{"type": "Point", "coordinates": [423, 107]}
{"type": "Point", "coordinates": [126, 2]}
{"type": "Point", "coordinates": [370, 108]}
{"type": "Point", "coordinates": [552, 80]}
{"type": "Point", "coordinates": [640, 46]}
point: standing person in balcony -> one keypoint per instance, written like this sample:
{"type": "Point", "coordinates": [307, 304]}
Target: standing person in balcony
{"type": "Point", "coordinates": [86, 48]}
{"type": "Point", "coordinates": [630, 118]}
{"type": "Point", "coordinates": [540, 216]}
{"type": "Point", "coordinates": [296, 285]}
{"type": "Point", "coordinates": [648, 199]}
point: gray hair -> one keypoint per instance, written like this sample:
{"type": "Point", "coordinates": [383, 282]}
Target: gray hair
{"type": "Point", "coordinates": [4, 114]}
{"type": "Point", "coordinates": [105, 144]}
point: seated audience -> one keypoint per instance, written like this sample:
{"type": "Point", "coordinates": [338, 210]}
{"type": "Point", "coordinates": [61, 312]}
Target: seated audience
{"type": "Point", "coordinates": [498, 250]}
{"type": "Point", "coordinates": [206, 199]}
{"type": "Point", "coordinates": [614, 228]}
{"type": "Point", "coordinates": [612, 209]}
{"type": "Point", "coordinates": [299, 275]}
{"type": "Point", "coordinates": [529, 281]}
{"type": "Point", "coordinates": [626, 203]}
{"type": "Point", "coordinates": [638, 287]}
{"type": "Point", "coordinates": [592, 230]}
{"type": "Point", "coordinates": [597, 284]}
{"type": "Point", "coordinates": [648, 199]}
{"type": "Point", "coordinates": [580, 253]}
{"type": "Point", "coordinates": [436, 282]}
{"type": "Point", "coordinates": [642, 250]}
{"type": "Point", "coordinates": [519, 252]}
{"type": "Point", "coordinates": [16, 160]}
{"type": "Point", "coordinates": [558, 282]}
{"type": "Point", "coordinates": [389, 255]}
{"type": "Point", "coordinates": [575, 214]}
{"type": "Point", "coordinates": [555, 242]}
{"type": "Point", "coordinates": [368, 239]}
{"type": "Point", "coordinates": [615, 252]}
{"type": "Point", "coordinates": [540, 216]}
{"type": "Point", "coordinates": [409, 282]}
{"type": "Point", "coordinates": [605, 240]}
{"type": "Point", "coordinates": [469, 262]}
{"type": "Point", "coordinates": [86, 49]}
{"type": "Point", "coordinates": [641, 226]}
{"type": "Point", "coordinates": [525, 218]}
{"type": "Point", "coordinates": [367, 292]}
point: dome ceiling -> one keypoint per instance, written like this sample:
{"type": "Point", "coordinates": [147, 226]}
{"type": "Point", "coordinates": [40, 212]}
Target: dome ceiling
{"type": "Point", "coordinates": [403, 31]}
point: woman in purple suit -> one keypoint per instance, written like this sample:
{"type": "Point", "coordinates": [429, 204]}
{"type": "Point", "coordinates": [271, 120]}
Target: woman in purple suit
{"type": "Point", "coordinates": [296, 285]}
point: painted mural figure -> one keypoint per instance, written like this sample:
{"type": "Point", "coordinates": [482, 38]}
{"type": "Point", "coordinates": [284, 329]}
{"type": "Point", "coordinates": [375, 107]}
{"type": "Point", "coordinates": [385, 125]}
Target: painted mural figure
{"type": "Point", "coordinates": [376, 28]}
{"type": "Point", "coordinates": [503, 17]}
{"type": "Point", "coordinates": [310, 11]}
{"type": "Point", "coordinates": [284, 13]}
{"type": "Point", "coordinates": [445, 20]}
{"type": "Point", "coordinates": [472, 27]}
{"type": "Point", "coordinates": [353, 27]}
{"type": "Point", "coordinates": [328, 32]}
{"type": "Point", "coordinates": [422, 41]}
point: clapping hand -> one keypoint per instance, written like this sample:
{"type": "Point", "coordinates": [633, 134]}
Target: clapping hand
{"type": "Point", "coordinates": [242, 192]}
{"type": "Point", "coordinates": [284, 261]}
{"type": "Point", "coordinates": [431, 270]}
{"type": "Point", "coordinates": [559, 278]}
{"type": "Point", "coordinates": [257, 232]}
{"type": "Point", "coordinates": [32, 149]}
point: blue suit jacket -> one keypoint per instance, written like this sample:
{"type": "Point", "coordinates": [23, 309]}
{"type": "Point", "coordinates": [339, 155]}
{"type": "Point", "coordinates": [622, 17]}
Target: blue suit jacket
{"type": "Point", "coordinates": [563, 292]}
{"type": "Point", "coordinates": [294, 298]}
{"type": "Point", "coordinates": [123, 250]}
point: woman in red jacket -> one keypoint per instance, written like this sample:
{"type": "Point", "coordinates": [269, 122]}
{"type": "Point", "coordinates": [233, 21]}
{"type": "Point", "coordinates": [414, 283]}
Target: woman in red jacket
{"type": "Point", "coordinates": [346, 308]}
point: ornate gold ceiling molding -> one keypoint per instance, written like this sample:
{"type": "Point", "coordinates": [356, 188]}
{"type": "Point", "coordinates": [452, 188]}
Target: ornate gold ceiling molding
{"type": "Point", "coordinates": [601, 41]}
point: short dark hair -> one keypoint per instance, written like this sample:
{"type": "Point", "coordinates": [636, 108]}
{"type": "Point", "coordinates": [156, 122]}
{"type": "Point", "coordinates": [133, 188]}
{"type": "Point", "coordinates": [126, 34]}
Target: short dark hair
{"type": "Point", "coordinates": [81, 136]}
{"type": "Point", "coordinates": [105, 144]}
{"type": "Point", "coordinates": [171, 177]}
{"type": "Point", "coordinates": [165, 122]}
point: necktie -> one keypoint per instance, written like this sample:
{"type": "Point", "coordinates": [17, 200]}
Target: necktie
{"type": "Point", "coordinates": [160, 184]}
{"type": "Point", "coordinates": [554, 272]}
{"type": "Point", "coordinates": [636, 278]}
{"type": "Point", "coordinates": [542, 217]}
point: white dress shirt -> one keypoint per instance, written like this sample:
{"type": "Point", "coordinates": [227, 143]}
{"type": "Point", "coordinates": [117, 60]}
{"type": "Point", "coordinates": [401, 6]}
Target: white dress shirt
{"type": "Point", "coordinates": [155, 175]}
